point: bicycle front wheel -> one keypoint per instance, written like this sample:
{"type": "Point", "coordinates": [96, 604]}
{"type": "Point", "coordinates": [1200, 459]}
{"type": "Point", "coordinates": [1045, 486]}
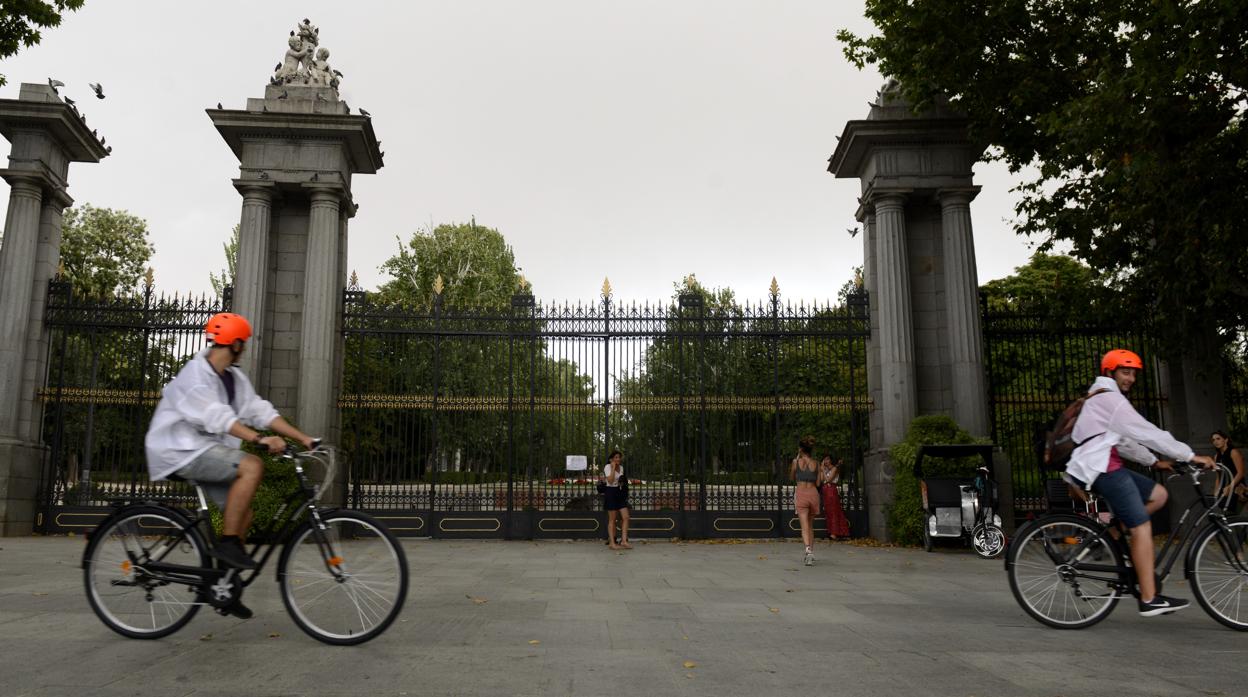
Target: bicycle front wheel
{"type": "Point", "coordinates": [128, 599]}
{"type": "Point", "coordinates": [1045, 577]}
{"type": "Point", "coordinates": [1219, 575]}
{"type": "Point", "coordinates": [344, 584]}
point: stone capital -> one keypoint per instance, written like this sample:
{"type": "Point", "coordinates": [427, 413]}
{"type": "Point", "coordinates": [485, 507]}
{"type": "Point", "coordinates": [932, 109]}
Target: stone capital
{"type": "Point", "coordinates": [323, 193]}
{"type": "Point", "coordinates": [255, 190]}
{"type": "Point", "coordinates": [957, 196]}
{"type": "Point", "coordinates": [876, 198]}
{"type": "Point", "coordinates": [28, 182]}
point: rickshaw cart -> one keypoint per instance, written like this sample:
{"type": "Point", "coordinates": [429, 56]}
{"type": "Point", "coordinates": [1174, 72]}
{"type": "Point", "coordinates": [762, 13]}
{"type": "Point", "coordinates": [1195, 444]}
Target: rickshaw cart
{"type": "Point", "coordinates": [961, 507]}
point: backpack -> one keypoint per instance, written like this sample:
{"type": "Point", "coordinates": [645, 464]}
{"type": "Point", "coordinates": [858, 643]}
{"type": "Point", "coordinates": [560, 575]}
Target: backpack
{"type": "Point", "coordinates": [1059, 443]}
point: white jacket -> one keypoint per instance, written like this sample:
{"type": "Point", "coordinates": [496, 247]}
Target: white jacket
{"type": "Point", "coordinates": [1108, 420]}
{"type": "Point", "coordinates": [194, 415]}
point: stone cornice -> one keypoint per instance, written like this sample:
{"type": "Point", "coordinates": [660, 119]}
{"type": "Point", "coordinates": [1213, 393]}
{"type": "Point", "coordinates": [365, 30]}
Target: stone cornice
{"type": "Point", "coordinates": [353, 131]}
{"type": "Point", "coordinates": [58, 120]}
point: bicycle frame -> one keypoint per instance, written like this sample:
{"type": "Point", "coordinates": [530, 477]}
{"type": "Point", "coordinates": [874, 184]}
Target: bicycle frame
{"type": "Point", "coordinates": [1124, 577]}
{"type": "Point", "coordinates": [278, 530]}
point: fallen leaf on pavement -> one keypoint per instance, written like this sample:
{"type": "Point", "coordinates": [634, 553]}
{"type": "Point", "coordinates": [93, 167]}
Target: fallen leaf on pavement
{"type": "Point", "coordinates": [690, 664]}
{"type": "Point", "coordinates": [205, 637]}
{"type": "Point", "coordinates": [274, 635]}
{"type": "Point", "coordinates": [534, 642]}
{"type": "Point", "coordinates": [774, 609]}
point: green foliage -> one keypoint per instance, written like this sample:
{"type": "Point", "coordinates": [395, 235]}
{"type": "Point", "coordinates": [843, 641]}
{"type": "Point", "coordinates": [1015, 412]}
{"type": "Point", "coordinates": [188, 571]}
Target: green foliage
{"type": "Point", "coordinates": [104, 251]}
{"type": "Point", "coordinates": [230, 247]}
{"type": "Point", "coordinates": [1133, 114]}
{"type": "Point", "coordinates": [1057, 286]}
{"type": "Point", "coordinates": [905, 514]}
{"type": "Point", "coordinates": [477, 268]}
{"type": "Point", "coordinates": [21, 20]}
{"type": "Point", "coordinates": [279, 482]}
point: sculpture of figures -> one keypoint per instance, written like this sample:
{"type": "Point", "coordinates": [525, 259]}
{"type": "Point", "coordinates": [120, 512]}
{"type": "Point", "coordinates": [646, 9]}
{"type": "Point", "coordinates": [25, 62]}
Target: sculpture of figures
{"type": "Point", "coordinates": [321, 73]}
{"type": "Point", "coordinates": [304, 62]}
{"type": "Point", "coordinates": [295, 55]}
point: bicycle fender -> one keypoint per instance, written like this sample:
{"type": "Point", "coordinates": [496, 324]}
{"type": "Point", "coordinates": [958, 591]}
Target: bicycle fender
{"type": "Point", "coordinates": [91, 540]}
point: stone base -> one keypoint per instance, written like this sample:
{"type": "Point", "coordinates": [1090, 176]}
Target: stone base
{"type": "Point", "coordinates": [21, 465]}
{"type": "Point", "coordinates": [299, 99]}
{"type": "Point", "coordinates": [878, 472]}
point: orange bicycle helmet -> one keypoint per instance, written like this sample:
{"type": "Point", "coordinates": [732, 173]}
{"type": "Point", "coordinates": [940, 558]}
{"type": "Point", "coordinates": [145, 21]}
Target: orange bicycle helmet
{"type": "Point", "coordinates": [226, 327]}
{"type": "Point", "coordinates": [1120, 358]}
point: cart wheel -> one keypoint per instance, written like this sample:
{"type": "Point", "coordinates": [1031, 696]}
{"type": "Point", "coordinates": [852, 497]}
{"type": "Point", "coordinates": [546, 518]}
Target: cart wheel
{"type": "Point", "coordinates": [987, 540]}
{"type": "Point", "coordinates": [927, 535]}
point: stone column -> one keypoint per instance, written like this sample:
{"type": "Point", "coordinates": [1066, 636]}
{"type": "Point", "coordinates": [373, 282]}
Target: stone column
{"type": "Point", "coordinates": [966, 355]}
{"type": "Point", "coordinates": [47, 260]}
{"type": "Point", "coordinates": [320, 291]}
{"type": "Point", "coordinates": [896, 336]}
{"type": "Point", "coordinates": [21, 240]}
{"type": "Point", "coordinates": [251, 269]}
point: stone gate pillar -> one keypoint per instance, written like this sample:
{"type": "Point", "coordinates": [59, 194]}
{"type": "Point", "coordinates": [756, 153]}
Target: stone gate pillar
{"type": "Point", "coordinates": [298, 148]}
{"type": "Point", "coordinates": [46, 134]}
{"type": "Point", "coordinates": [925, 354]}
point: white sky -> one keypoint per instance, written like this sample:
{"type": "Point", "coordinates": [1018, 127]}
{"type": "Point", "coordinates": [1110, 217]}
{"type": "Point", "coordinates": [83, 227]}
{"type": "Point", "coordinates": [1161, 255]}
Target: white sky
{"type": "Point", "coordinates": [641, 141]}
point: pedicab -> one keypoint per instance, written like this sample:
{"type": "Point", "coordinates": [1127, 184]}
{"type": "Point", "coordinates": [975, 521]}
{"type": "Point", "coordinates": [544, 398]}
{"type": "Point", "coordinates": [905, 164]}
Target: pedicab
{"type": "Point", "coordinates": [961, 507]}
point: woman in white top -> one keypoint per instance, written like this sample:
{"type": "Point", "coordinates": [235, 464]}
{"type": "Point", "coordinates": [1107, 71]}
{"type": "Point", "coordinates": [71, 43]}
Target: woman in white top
{"type": "Point", "coordinates": [616, 500]}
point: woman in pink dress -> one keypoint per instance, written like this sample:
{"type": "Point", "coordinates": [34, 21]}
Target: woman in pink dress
{"type": "Point", "coordinates": [834, 516]}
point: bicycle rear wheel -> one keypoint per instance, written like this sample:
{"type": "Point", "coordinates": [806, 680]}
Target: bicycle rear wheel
{"type": "Point", "coordinates": [1046, 585]}
{"type": "Point", "coordinates": [123, 595]}
{"type": "Point", "coordinates": [344, 585]}
{"type": "Point", "coordinates": [1218, 574]}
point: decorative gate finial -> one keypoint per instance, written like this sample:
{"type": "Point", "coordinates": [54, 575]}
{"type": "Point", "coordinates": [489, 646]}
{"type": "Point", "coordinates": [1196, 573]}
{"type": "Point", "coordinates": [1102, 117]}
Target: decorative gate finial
{"type": "Point", "coordinates": [775, 287]}
{"type": "Point", "coordinates": [606, 287]}
{"type": "Point", "coordinates": [438, 286]}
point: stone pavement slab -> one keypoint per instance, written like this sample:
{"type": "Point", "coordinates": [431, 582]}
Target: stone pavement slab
{"type": "Point", "coordinates": [749, 618]}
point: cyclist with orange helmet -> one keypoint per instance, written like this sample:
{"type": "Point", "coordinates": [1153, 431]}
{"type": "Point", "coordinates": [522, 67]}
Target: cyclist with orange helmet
{"type": "Point", "coordinates": [203, 416]}
{"type": "Point", "coordinates": [1110, 430]}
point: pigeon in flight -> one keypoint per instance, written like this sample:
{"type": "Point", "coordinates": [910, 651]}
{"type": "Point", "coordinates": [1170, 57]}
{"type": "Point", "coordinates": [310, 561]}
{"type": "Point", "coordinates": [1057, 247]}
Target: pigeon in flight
{"type": "Point", "coordinates": [54, 83]}
{"type": "Point", "coordinates": [98, 89]}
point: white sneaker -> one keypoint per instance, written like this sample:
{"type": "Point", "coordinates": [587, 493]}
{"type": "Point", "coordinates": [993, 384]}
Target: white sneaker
{"type": "Point", "coordinates": [809, 559]}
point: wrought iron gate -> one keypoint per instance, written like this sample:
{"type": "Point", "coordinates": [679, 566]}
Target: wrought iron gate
{"type": "Point", "coordinates": [460, 422]}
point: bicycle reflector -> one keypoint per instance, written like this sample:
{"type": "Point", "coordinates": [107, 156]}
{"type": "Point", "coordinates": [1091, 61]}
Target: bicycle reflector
{"type": "Point", "coordinates": [125, 566]}
{"type": "Point", "coordinates": [335, 561]}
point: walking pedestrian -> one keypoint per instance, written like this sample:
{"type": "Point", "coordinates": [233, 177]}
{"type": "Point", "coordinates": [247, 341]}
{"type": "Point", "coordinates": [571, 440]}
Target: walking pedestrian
{"type": "Point", "coordinates": [805, 498]}
{"type": "Point", "coordinates": [1228, 456]}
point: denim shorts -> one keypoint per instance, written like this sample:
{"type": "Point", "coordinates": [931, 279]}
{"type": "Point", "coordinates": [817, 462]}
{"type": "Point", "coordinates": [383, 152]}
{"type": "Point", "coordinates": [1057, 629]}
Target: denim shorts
{"type": "Point", "coordinates": [1126, 492]}
{"type": "Point", "coordinates": [214, 470]}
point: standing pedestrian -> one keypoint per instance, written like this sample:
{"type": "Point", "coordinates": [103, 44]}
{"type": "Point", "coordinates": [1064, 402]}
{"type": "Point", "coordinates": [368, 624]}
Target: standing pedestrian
{"type": "Point", "coordinates": [805, 498]}
{"type": "Point", "coordinates": [1228, 456]}
{"type": "Point", "coordinates": [616, 499]}
{"type": "Point", "coordinates": [833, 514]}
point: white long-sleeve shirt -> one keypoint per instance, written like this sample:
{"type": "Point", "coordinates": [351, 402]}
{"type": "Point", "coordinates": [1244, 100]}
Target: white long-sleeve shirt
{"type": "Point", "coordinates": [1107, 421]}
{"type": "Point", "coordinates": [195, 414]}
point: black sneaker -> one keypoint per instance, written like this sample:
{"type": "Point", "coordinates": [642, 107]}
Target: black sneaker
{"type": "Point", "coordinates": [1161, 605]}
{"type": "Point", "coordinates": [232, 553]}
{"type": "Point", "coordinates": [237, 609]}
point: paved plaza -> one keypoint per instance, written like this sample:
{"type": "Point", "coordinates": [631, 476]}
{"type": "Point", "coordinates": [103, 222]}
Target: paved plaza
{"type": "Point", "coordinates": [666, 618]}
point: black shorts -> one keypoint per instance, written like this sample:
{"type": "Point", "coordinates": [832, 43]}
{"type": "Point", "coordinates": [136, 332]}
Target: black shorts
{"type": "Point", "coordinates": [615, 499]}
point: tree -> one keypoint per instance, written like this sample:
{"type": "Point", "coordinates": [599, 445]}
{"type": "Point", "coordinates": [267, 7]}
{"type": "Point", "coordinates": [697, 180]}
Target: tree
{"type": "Point", "coordinates": [477, 267]}
{"type": "Point", "coordinates": [21, 20]}
{"type": "Point", "coordinates": [104, 251]}
{"type": "Point", "coordinates": [1131, 111]}
{"type": "Point", "coordinates": [230, 247]}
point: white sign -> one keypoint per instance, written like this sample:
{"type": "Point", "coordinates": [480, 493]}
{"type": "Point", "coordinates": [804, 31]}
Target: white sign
{"type": "Point", "coordinates": [577, 462]}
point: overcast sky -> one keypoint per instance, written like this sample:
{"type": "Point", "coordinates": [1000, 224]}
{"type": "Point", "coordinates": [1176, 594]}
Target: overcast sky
{"type": "Point", "coordinates": [639, 140]}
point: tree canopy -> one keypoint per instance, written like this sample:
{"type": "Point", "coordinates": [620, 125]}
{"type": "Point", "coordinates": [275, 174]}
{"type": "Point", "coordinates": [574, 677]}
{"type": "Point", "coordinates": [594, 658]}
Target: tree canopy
{"type": "Point", "coordinates": [1131, 111]}
{"type": "Point", "coordinates": [477, 267]}
{"type": "Point", "coordinates": [226, 277]}
{"type": "Point", "coordinates": [104, 251]}
{"type": "Point", "coordinates": [21, 20]}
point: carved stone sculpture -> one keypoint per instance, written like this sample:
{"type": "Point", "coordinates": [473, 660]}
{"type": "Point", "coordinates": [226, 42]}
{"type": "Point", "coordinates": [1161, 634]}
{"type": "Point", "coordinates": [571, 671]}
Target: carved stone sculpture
{"type": "Point", "coordinates": [305, 62]}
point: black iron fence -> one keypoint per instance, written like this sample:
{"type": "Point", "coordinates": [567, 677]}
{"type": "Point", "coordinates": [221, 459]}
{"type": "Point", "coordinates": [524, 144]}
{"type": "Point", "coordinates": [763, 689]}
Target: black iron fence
{"type": "Point", "coordinates": [476, 421]}
{"type": "Point", "coordinates": [109, 358]}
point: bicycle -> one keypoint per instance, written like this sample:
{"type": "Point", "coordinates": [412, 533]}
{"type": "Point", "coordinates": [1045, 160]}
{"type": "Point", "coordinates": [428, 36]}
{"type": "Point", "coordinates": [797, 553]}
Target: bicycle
{"type": "Point", "coordinates": [343, 575]}
{"type": "Point", "coordinates": [1068, 571]}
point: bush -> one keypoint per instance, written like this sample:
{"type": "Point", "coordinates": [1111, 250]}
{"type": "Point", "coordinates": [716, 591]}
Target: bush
{"type": "Point", "coordinates": [905, 515]}
{"type": "Point", "coordinates": [278, 483]}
